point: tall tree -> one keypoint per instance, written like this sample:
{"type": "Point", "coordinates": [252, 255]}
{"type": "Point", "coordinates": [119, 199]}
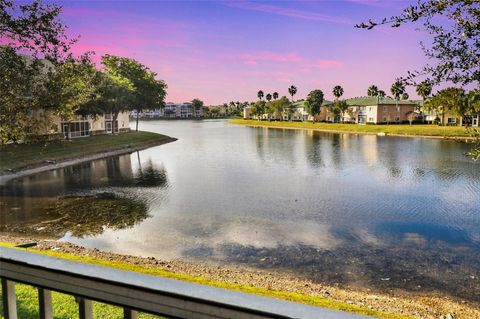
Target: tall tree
{"type": "Point", "coordinates": [292, 90]}
{"type": "Point", "coordinates": [70, 85]}
{"type": "Point", "coordinates": [339, 108]}
{"type": "Point", "coordinates": [372, 90]}
{"type": "Point", "coordinates": [381, 94]}
{"type": "Point", "coordinates": [337, 91]}
{"type": "Point", "coordinates": [197, 105]}
{"type": "Point", "coordinates": [455, 48]}
{"type": "Point", "coordinates": [34, 27]}
{"type": "Point", "coordinates": [148, 92]}
{"type": "Point", "coordinates": [260, 95]}
{"type": "Point", "coordinates": [258, 109]}
{"type": "Point", "coordinates": [268, 97]}
{"type": "Point", "coordinates": [21, 88]}
{"type": "Point", "coordinates": [314, 102]}
{"type": "Point", "coordinates": [275, 95]}
{"type": "Point", "coordinates": [424, 89]}
{"type": "Point", "coordinates": [397, 89]}
{"type": "Point", "coordinates": [405, 96]}
{"type": "Point", "coordinates": [451, 100]}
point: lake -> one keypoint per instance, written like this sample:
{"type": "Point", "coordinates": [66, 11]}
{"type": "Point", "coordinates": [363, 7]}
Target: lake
{"type": "Point", "coordinates": [353, 210]}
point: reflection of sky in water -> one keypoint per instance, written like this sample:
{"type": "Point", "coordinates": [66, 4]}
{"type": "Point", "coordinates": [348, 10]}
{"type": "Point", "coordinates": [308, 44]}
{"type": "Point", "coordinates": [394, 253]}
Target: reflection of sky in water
{"type": "Point", "coordinates": [262, 188]}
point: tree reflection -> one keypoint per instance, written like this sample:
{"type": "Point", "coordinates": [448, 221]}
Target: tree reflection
{"type": "Point", "coordinates": [150, 176]}
{"type": "Point", "coordinates": [84, 216]}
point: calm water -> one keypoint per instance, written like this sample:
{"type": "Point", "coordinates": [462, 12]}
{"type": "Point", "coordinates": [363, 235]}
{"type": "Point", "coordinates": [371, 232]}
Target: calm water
{"type": "Point", "coordinates": [368, 211]}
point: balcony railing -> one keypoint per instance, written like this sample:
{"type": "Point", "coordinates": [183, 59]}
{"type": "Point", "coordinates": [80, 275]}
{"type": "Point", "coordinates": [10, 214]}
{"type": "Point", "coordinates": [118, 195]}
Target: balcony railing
{"type": "Point", "coordinates": [136, 292]}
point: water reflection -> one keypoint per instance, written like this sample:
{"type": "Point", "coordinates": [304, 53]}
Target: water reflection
{"type": "Point", "coordinates": [72, 199]}
{"type": "Point", "coordinates": [347, 209]}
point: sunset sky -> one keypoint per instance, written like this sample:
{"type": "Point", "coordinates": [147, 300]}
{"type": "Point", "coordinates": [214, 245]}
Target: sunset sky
{"type": "Point", "coordinates": [220, 51]}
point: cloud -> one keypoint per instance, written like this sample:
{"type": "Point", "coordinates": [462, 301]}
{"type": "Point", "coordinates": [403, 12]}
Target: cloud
{"type": "Point", "coordinates": [327, 64]}
{"type": "Point", "coordinates": [288, 12]}
{"type": "Point", "coordinates": [266, 56]}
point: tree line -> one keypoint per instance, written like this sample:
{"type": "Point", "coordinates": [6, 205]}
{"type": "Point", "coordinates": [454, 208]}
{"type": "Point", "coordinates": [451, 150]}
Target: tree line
{"type": "Point", "coordinates": [39, 74]}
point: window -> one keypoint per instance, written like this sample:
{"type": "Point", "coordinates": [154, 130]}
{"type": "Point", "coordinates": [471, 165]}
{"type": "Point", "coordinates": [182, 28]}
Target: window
{"type": "Point", "coordinates": [370, 109]}
{"type": "Point", "coordinates": [452, 120]}
{"type": "Point", "coordinates": [397, 119]}
{"type": "Point", "coordinates": [370, 119]}
{"type": "Point", "coordinates": [385, 108]}
{"type": "Point", "coordinates": [384, 119]}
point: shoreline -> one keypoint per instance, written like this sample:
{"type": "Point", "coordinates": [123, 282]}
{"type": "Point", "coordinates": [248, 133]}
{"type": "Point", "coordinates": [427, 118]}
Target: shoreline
{"type": "Point", "coordinates": [43, 167]}
{"type": "Point", "coordinates": [277, 284]}
{"type": "Point", "coordinates": [463, 139]}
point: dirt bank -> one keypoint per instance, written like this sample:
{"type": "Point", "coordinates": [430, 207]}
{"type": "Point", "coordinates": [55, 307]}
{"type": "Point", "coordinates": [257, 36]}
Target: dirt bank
{"type": "Point", "coordinates": [412, 304]}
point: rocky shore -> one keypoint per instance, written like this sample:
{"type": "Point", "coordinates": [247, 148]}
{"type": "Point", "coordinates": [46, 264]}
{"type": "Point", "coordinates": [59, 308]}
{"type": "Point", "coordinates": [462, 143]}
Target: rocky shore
{"type": "Point", "coordinates": [412, 304]}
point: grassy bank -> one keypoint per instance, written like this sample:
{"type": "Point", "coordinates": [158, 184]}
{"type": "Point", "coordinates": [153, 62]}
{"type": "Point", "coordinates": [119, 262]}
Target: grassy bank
{"type": "Point", "coordinates": [65, 307]}
{"type": "Point", "coordinates": [14, 157]}
{"type": "Point", "coordinates": [394, 129]}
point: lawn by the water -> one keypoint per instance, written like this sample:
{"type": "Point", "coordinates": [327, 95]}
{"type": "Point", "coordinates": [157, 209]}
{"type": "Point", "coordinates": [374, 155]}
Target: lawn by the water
{"type": "Point", "coordinates": [27, 155]}
{"type": "Point", "coordinates": [395, 129]}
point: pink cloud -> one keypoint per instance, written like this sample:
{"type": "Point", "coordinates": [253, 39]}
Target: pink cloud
{"type": "Point", "coordinates": [293, 13]}
{"type": "Point", "coordinates": [266, 56]}
{"type": "Point", "coordinates": [327, 64]}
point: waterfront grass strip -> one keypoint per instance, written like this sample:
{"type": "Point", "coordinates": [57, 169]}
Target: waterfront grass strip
{"type": "Point", "coordinates": [28, 296]}
{"type": "Point", "coordinates": [393, 129]}
{"type": "Point", "coordinates": [17, 156]}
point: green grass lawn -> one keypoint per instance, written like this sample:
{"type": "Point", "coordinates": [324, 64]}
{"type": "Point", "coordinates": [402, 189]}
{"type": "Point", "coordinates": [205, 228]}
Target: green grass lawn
{"type": "Point", "coordinates": [65, 306]}
{"type": "Point", "coordinates": [397, 129]}
{"type": "Point", "coordinates": [26, 155]}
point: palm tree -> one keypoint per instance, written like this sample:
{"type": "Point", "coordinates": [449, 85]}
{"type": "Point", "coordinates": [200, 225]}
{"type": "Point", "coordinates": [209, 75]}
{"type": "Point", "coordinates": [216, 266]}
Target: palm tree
{"type": "Point", "coordinates": [405, 96]}
{"type": "Point", "coordinates": [268, 97]}
{"type": "Point", "coordinates": [337, 91]}
{"type": "Point", "coordinates": [372, 90]}
{"type": "Point", "coordinates": [424, 89]}
{"type": "Point", "coordinates": [260, 95]}
{"type": "Point", "coordinates": [397, 89]}
{"type": "Point", "coordinates": [292, 90]}
{"type": "Point", "coordinates": [381, 94]}
{"type": "Point", "coordinates": [275, 95]}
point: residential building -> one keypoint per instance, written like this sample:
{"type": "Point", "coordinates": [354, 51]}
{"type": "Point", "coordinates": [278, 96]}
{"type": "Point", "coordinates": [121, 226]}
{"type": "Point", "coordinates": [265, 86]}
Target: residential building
{"type": "Point", "coordinates": [361, 110]}
{"type": "Point", "coordinates": [48, 123]}
{"type": "Point", "coordinates": [431, 116]}
{"type": "Point", "coordinates": [171, 110]}
{"type": "Point", "coordinates": [378, 110]}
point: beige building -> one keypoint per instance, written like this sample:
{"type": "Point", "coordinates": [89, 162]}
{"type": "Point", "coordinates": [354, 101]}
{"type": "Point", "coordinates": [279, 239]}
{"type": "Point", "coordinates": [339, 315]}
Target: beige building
{"type": "Point", "coordinates": [47, 123]}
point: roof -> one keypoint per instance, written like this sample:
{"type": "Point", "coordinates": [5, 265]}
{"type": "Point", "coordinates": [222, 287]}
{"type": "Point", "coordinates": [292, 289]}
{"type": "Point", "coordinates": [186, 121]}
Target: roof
{"type": "Point", "coordinates": [374, 100]}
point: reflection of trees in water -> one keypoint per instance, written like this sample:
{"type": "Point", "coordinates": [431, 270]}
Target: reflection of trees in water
{"type": "Point", "coordinates": [150, 175]}
{"type": "Point", "coordinates": [85, 216]}
{"type": "Point", "coordinates": [313, 149]}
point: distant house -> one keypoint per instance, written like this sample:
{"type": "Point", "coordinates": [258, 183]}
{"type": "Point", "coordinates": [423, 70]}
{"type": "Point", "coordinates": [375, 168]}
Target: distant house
{"type": "Point", "coordinates": [431, 116]}
{"type": "Point", "coordinates": [171, 110]}
{"type": "Point", "coordinates": [247, 113]}
{"type": "Point", "coordinates": [378, 110]}
{"type": "Point", "coordinates": [48, 123]}
{"type": "Point", "coordinates": [361, 110]}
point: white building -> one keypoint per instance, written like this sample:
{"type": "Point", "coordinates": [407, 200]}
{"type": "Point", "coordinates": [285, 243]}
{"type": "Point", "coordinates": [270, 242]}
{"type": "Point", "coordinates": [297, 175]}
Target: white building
{"type": "Point", "coordinates": [171, 110]}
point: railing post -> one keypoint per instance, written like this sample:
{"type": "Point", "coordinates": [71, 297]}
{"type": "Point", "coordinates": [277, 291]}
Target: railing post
{"type": "Point", "coordinates": [9, 299]}
{"type": "Point", "coordinates": [45, 303]}
{"type": "Point", "coordinates": [129, 314]}
{"type": "Point", "coordinates": [85, 308]}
